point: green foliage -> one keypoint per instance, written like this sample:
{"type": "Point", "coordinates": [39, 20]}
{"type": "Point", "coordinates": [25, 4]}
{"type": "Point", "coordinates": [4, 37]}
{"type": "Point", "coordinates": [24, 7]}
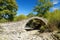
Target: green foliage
{"type": "Point", "coordinates": [8, 9]}
{"type": "Point", "coordinates": [44, 28]}
{"type": "Point", "coordinates": [30, 15]}
{"type": "Point", "coordinates": [20, 17]}
{"type": "Point", "coordinates": [54, 18]}
{"type": "Point", "coordinates": [42, 7]}
{"type": "Point", "coordinates": [3, 20]}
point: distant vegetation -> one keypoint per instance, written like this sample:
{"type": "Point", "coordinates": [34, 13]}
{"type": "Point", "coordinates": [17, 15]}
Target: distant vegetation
{"type": "Point", "coordinates": [20, 17]}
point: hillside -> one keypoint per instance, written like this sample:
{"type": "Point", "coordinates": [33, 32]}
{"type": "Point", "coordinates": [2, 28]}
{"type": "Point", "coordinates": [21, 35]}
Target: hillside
{"type": "Point", "coordinates": [16, 31]}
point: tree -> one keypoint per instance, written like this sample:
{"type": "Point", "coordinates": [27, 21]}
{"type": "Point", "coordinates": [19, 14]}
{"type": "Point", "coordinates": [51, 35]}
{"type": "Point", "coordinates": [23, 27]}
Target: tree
{"type": "Point", "coordinates": [8, 9]}
{"type": "Point", "coordinates": [31, 14]}
{"type": "Point", "coordinates": [42, 7]}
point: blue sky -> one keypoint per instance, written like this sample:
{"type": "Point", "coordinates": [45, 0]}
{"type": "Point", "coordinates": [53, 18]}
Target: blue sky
{"type": "Point", "coordinates": [26, 6]}
{"type": "Point", "coordinates": [56, 5]}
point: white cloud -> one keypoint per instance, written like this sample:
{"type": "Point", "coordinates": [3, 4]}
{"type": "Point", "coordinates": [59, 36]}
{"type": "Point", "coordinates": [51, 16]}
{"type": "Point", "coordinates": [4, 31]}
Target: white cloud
{"type": "Point", "coordinates": [55, 2]}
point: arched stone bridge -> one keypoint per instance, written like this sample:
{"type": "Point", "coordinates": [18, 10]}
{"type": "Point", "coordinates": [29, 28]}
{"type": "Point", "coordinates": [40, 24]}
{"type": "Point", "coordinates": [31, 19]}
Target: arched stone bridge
{"type": "Point", "coordinates": [40, 20]}
{"type": "Point", "coordinates": [21, 24]}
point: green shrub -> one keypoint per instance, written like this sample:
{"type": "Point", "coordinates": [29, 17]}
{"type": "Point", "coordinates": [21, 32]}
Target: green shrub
{"type": "Point", "coordinates": [3, 20]}
{"type": "Point", "coordinates": [20, 17]}
{"type": "Point", "coordinates": [43, 28]}
{"type": "Point", "coordinates": [53, 19]}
